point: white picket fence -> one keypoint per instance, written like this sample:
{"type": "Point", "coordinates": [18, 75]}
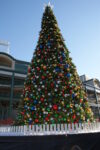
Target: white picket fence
{"type": "Point", "coordinates": [52, 129]}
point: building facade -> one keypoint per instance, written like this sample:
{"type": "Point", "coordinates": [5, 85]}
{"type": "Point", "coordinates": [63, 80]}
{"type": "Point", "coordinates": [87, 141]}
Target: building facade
{"type": "Point", "coordinates": [92, 88]}
{"type": "Point", "coordinates": [12, 75]}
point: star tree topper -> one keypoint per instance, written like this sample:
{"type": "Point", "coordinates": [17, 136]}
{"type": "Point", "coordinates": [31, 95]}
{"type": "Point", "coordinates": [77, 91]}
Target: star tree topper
{"type": "Point", "coordinates": [49, 4]}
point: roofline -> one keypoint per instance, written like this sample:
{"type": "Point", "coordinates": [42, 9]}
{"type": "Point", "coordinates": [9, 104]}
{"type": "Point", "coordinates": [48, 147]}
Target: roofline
{"type": "Point", "coordinates": [93, 79]}
{"type": "Point", "coordinates": [25, 62]}
{"type": "Point", "coordinates": [89, 80]}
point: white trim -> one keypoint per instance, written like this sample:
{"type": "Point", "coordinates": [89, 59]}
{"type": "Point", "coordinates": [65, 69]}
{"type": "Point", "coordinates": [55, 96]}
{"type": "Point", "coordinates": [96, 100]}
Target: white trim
{"type": "Point", "coordinates": [50, 129]}
{"type": "Point", "coordinates": [6, 73]}
{"type": "Point", "coordinates": [20, 75]}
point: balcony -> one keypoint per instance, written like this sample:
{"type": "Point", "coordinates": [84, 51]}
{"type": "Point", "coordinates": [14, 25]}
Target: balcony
{"type": "Point", "coordinates": [6, 96]}
{"type": "Point", "coordinates": [7, 83]}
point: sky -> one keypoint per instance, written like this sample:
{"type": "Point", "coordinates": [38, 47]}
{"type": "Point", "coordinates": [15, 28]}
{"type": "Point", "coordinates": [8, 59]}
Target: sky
{"type": "Point", "coordinates": [78, 20]}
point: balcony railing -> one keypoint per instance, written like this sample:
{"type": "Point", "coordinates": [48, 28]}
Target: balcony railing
{"type": "Point", "coordinates": [90, 87]}
{"type": "Point", "coordinates": [8, 83]}
{"type": "Point", "coordinates": [50, 129]}
{"type": "Point", "coordinates": [7, 96]}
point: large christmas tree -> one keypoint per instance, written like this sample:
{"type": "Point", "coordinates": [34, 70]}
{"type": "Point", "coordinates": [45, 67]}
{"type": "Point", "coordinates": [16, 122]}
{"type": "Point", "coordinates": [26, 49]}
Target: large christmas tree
{"type": "Point", "coordinates": [52, 92]}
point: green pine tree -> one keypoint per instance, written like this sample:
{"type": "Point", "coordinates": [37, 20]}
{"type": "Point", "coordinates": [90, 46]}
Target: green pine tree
{"type": "Point", "coordinates": [52, 92]}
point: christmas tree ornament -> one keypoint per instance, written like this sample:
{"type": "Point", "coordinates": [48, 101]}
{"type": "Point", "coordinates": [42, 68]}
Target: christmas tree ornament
{"type": "Point", "coordinates": [55, 107]}
{"type": "Point", "coordinates": [36, 120]}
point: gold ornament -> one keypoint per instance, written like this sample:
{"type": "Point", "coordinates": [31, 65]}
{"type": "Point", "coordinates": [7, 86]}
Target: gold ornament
{"type": "Point", "coordinates": [41, 65]}
{"type": "Point", "coordinates": [26, 99]}
{"type": "Point", "coordinates": [71, 105]}
{"type": "Point", "coordinates": [62, 102]}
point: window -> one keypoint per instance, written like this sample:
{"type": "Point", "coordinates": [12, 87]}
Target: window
{"type": "Point", "coordinates": [21, 67]}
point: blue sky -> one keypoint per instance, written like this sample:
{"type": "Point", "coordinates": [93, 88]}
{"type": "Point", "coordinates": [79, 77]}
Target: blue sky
{"type": "Point", "coordinates": [79, 21]}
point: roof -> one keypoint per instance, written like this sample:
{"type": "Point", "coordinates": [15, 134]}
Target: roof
{"type": "Point", "coordinates": [19, 61]}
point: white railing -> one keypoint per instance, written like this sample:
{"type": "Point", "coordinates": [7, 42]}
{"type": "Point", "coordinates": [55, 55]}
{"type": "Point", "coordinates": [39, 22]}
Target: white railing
{"type": "Point", "coordinates": [52, 129]}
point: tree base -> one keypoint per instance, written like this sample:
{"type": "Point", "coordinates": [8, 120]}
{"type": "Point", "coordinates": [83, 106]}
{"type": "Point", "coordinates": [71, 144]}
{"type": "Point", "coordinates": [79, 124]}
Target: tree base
{"type": "Point", "coordinates": [58, 142]}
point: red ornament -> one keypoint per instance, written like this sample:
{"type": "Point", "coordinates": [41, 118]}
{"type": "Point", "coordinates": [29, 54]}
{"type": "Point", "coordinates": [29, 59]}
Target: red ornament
{"type": "Point", "coordinates": [47, 119]}
{"type": "Point", "coordinates": [59, 65]}
{"type": "Point", "coordinates": [36, 120]}
{"type": "Point", "coordinates": [38, 51]}
{"type": "Point", "coordinates": [29, 70]}
{"type": "Point", "coordinates": [63, 94]}
{"type": "Point", "coordinates": [37, 115]}
{"type": "Point", "coordinates": [48, 115]}
{"type": "Point", "coordinates": [67, 87]}
{"type": "Point", "coordinates": [80, 100]}
{"type": "Point", "coordinates": [43, 77]}
{"type": "Point", "coordinates": [76, 121]}
{"type": "Point", "coordinates": [32, 112]}
{"type": "Point", "coordinates": [42, 57]}
{"type": "Point", "coordinates": [42, 99]}
{"type": "Point", "coordinates": [38, 68]}
{"type": "Point", "coordinates": [33, 77]}
{"type": "Point", "coordinates": [52, 85]}
{"type": "Point", "coordinates": [29, 89]}
{"type": "Point", "coordinates": [60, 75]}
{"type": "Point", "coordinates": [44, 67]}
{"type": "Point", "coordinates": [22, 113]}
{"type": "Point", "coordinates": [63, 91]}
{"type": "Point", "coordinates": [70, 91]}
{"type": "Point", "coordinates": [46, 92]}
{"type": "Point", "coordinates": [74, 116]}
{"type": "Point", "coordinates": [55, 107]}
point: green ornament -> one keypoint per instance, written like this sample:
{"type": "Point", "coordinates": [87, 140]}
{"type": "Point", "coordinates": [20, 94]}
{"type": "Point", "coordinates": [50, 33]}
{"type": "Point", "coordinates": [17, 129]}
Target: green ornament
{"type": "Point", "coordinates": [64, 119]}
{"type": "Point", "coordinates": [48, 109]}
{"type": "Point", "coordinates": [56, 115]}
{"type": "Point", "coordinates": [67, 105]}
{"type": "Point", "coordinates": [53, 121]}
{"type": "Point", "coordinates": [33, 97]}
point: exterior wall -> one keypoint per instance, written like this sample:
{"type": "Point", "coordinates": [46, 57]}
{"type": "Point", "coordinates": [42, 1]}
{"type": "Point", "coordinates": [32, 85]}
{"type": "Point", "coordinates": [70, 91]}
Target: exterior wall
{"type": "Point", "coordinates": [6, 62]}
{"type": "Point", "coordinates": [92, 88]}
{"type": "Point", "coordinates": [84, 78]}
{"type": "Point", "coordinates": [11, 85]}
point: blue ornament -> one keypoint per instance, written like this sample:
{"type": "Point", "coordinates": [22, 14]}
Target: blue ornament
{"type": "Point", "coordinates": [32, 108]}
{"type": "Point", "coordinates": [34, 80]}
{"type": "Point", "coordinates": [48, 43]}
{"type": "Point", "coordinates": [57, 69]}
{"type": "Point", "coordinates": [68, 75]}
{"type": "Point", "coordinates": [63, 54]}
{"type": "Point", "coordinates": [41, 46]}
{"type": "Point", "coordinates": [73, 95]}
{"type": "Point", "coordinates": [35, 101]}
{"type": "Point", "coordinates": [66, 66]}
{"type": "Point", "coordinates": [30, 120]}
{"type": "Point", "coordinates": [25, 106]}
{"type": "Point", "coordinates": [61, 62]}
